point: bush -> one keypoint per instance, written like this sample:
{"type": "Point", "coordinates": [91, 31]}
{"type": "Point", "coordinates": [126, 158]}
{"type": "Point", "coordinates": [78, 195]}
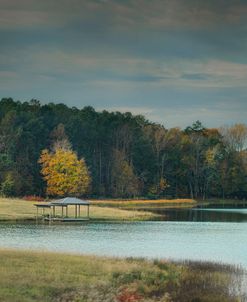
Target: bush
{"type": "Point", "coordinates": [128, 296]}
{"type": "Point", "coordinates": [7, 187]}
{"type": "Point", "coordinates": [33, 198]}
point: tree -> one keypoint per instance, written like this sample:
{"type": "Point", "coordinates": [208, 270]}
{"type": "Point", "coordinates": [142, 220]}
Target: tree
{"type": "Point", "coordinates": [235, 137]}
{"type": "Point", "coordinates": [7, 187]}
{"type": "Point", "coordinates": [124, 181]}
{"type": "Point", "coordinates": [59, 139]}
{"type": "Point", "coordinates": [158, 190]}
{"type": "Point", "coordinates": [64, 173]}
{"type": "Point", "coordinates": [127, 154]}
{"type": "Point", "coordinates": [196, 127]}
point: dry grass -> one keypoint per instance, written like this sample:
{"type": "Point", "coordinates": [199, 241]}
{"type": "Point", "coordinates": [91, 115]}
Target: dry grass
{"type": "Point", "coordinates": [15, 209]}
{"type": "Point", "coordinates": [143, 203]}
{"type": "Point", "coordinates": [113, 213]}
{"type": "Point", "coordinates": [35, 276]}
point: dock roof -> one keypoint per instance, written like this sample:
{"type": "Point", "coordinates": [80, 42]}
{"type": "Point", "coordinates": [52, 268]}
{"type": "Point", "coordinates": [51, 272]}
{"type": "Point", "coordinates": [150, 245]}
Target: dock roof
{"type": "Point", "coordinates": [69, 201]}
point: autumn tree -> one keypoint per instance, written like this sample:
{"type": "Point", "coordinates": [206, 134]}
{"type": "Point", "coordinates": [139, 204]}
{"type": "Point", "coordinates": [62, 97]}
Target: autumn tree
{"type": "Point", "coordinates": [124, 181]}
{"type": "Point", "coordinates": [157, 190]}
{"type": "Point", "coordinates": [59, 139]}
{"type": "Point", "coordinates": [64, 173]}
{"type": "Point", "coordinates": [201, 154]}
{"type": "Point", "coordinates": [235, 137]}
{"type": "Point", "coordinates": [199, 162]}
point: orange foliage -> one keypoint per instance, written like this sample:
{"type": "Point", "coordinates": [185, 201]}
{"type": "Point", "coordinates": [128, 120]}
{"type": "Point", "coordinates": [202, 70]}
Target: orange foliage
{"type": "Point", "coordinates": [64, 173]}
{"type": "Point", "coordinates": [33, 198]}
{"type": "Point", "coordinates": [127, 296]}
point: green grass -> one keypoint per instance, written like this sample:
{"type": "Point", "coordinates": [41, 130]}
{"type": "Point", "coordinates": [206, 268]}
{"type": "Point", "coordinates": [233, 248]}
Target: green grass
{"type": "Point", "coordinates": [34, 276]}
{"type": "Point", "coordinates": [18, 209]}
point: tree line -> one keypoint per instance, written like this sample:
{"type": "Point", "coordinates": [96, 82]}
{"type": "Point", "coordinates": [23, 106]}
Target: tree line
{"type": "Point", "coordinates": [126, 155]}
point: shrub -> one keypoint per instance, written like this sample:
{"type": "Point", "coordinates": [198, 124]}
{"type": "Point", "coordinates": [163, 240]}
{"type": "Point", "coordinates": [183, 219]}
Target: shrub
{"type": "Point", "coordinates": [128, 296]}
{"type": "Point", "coordinates": [7, 187]}
{"type": "Point", "coordinates": [33, 198]}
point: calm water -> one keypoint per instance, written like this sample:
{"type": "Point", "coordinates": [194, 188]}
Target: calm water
{"type": "Point", "coordinates": [205, 214]}
{"type": "Point", "coordinates": [194, 240]}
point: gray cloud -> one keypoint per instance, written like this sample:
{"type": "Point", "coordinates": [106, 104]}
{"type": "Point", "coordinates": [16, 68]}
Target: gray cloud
{"type": "Point", "coordinates": [173, 60]}
{"type": "Point", "coordinates": [157, 14]}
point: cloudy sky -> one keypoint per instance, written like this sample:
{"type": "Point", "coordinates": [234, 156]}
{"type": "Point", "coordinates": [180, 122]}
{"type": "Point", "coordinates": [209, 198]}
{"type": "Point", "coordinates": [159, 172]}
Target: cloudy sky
{"type": "Point", "coordinates": [175, 61]}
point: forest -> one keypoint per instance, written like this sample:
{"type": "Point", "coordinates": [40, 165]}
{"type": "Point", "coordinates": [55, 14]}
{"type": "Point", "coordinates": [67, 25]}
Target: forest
{"type": "Point", "coordinates": [126, 155]}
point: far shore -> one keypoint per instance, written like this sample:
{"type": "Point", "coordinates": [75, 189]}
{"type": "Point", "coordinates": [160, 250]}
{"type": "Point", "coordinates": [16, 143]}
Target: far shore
{"type": "Point", "coordinates": [14, 209]}
{"type": "Point", "coordinates": [17, 209]}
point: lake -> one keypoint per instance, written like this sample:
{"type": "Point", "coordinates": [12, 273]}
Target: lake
{"type": "Point", "coordinates": [204, 214]}
{"type": "Point", "coordinates": [218, 235]}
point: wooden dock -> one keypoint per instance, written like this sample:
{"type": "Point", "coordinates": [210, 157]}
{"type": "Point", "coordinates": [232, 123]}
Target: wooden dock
{"type": "Point", "coordinates": [63, 204]}
{"type": "Point", "coordinates": [66, 219]}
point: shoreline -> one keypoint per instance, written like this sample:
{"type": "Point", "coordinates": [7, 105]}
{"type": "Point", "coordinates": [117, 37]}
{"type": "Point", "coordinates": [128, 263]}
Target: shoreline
{"type": "Point", "coordinates": [21, 210]}
{"type": "Point", "coordinates": [53, 276]}
{"type": "Point", "coordinates": [103, 210]}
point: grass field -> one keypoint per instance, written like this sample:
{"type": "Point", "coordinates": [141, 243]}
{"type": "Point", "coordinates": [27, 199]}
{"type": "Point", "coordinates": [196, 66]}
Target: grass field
{"type": "Point", "coordinates": [143, 203]}
{"type": "Point", "coordinates": [32, 276]}
{"type": "Point", "coordinates": [18, 209]}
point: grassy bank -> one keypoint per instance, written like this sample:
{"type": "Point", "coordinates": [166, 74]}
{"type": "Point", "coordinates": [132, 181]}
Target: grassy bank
{"type": "Point", "coordinates": [145, 203]}
{"type": "Point", "coordinates": [33, 276]}
{"type": "Point", "coordinates": [224, 202]}
{"type": "Point", "coordinates": [18, 209]}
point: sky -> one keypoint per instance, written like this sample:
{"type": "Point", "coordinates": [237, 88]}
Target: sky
{"type": "Point", "coordinates": [174, 61]}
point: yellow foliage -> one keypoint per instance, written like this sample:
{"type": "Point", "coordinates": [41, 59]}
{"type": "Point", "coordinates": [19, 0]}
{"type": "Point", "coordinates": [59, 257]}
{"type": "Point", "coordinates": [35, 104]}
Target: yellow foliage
{"type": "Point", "coordinates": [163, 184]}
{"type": "Point", "coordinates": [160, 187]}
{"type": "Point", "coordinates": [64, 173]}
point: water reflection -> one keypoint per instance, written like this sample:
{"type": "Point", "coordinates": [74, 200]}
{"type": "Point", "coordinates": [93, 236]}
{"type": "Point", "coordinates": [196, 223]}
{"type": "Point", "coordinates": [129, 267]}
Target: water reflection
{"type": "Point", "coordinates": [204, 214]}
{"type": "Point", "coordinates": [197, 234]}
